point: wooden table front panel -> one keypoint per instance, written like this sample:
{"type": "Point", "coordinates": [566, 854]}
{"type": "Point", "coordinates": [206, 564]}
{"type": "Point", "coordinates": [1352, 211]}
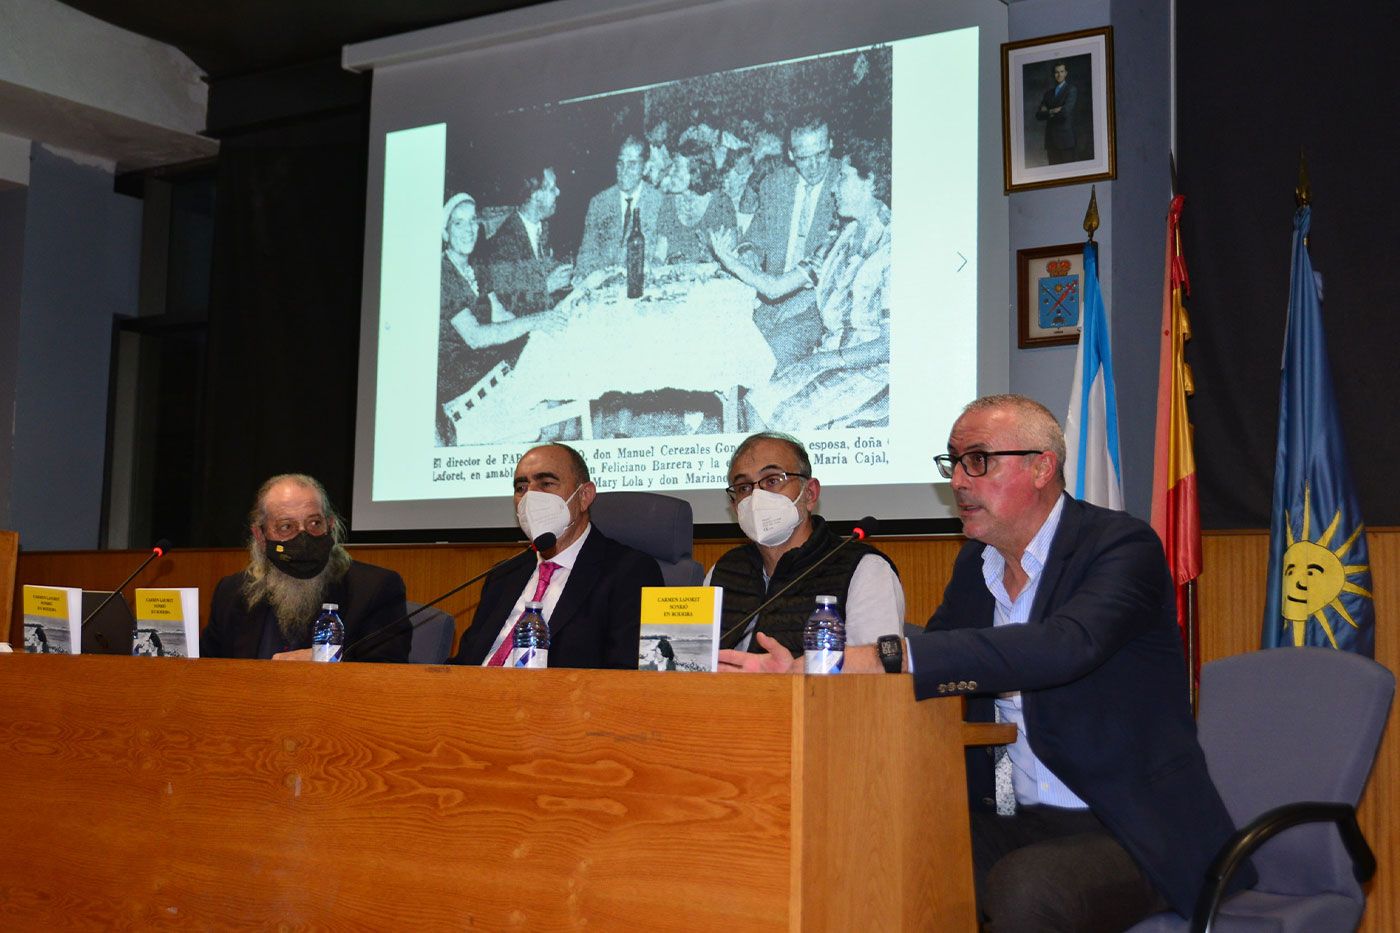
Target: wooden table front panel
{"type": "Point", "coordinates": [141, 793]}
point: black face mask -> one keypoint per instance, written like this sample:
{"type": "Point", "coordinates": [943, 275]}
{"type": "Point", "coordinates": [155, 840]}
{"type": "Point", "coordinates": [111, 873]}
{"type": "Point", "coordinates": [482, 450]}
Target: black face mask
{"type": "Point", "coordinates": [302, 557]}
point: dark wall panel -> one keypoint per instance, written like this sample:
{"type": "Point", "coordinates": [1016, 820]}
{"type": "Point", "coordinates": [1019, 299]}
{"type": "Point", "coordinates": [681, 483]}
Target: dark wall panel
{"type": "Point", "coordinates": [1257, 83]}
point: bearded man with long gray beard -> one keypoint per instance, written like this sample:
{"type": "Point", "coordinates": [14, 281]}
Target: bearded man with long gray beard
{"type": "Point", "coordinates": [297, 562]}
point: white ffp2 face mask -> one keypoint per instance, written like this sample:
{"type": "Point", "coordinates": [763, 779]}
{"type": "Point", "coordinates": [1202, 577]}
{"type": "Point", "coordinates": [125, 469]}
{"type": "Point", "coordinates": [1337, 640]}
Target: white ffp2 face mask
{"type": "Point", "coordinates": [544, 512]}
{"type": "Point", "coordinates": [769, 518]}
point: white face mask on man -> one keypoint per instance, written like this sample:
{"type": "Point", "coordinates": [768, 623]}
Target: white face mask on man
{"type": "Point", "coordinates": [769, 518]}
{"type": "Point", "coordinates": [544, 513]}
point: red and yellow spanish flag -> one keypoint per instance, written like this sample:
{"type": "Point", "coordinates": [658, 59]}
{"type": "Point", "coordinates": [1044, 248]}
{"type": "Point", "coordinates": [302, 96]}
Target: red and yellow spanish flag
{"type": "Point", "coordinates": [1176, 514]}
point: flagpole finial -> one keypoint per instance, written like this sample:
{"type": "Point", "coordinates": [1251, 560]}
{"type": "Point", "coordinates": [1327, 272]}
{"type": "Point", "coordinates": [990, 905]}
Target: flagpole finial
{"type": "Point", "coordinates": [1302, 195]}
{"type": "Point", "coordinates": [1091, 216]}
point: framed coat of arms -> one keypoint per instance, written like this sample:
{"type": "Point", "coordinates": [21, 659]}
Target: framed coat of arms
{"type": "Point", "coordinates": [1049, 288]}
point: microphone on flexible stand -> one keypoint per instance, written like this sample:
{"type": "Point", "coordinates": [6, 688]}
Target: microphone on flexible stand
{"type": "Point", "coordinates": [374, 639]}
{"type": "Point", "coordinates": [160, 549]}
{"type": "Point", "coordinates": [863, 529]}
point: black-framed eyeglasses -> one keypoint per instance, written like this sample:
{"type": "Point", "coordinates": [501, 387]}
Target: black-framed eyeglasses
{"type": "Point", "coordinates": [770, 482]}
{"type": "Point", "coordinates": [975, 462]}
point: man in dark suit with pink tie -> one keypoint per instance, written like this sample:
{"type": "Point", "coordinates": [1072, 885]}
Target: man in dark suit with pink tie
{"type": "Point", "coordinates": [590, 585]}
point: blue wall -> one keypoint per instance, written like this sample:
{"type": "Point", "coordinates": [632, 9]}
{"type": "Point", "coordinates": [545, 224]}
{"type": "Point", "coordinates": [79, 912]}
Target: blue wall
{"type": "Point", "coordinates": [80, 269]}
{"type": "Point", "coordinates": [12, 202]}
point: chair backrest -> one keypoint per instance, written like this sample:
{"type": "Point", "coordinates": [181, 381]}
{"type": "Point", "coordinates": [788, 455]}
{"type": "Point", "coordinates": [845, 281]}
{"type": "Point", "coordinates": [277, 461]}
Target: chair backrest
{"type": "Point", "coordinates": [655, 524]}
{"type": "Point", "coordinates": [1284, 725]}
{"type": "Point", "coordinates": [432, 639]}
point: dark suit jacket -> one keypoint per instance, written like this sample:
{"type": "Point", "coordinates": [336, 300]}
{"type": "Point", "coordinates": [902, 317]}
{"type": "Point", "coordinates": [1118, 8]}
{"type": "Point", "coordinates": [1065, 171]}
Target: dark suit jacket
{"type": "Point", "coordinates": [1103, 687]}
{"type": "Point", "coordinates": [767, 236]}
{"type": "Point", "coordinates": [601, 245]}
{"type": "Point", "coordinates": [369, 598]}
{"type": "Point", "coordinates": [597, 620]}
{"type": "Point", "coordinates": [510, 268]}
{"type": "Point", "coordinates": [1059, 128]}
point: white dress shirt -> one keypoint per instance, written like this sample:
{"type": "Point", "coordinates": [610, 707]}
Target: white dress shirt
{"type": "Point", "coordinates": [566, 560]}
{"type": "Point", "coordinates": [1033, 781]}
{"type": "Point", "coordinates": [797, 236]}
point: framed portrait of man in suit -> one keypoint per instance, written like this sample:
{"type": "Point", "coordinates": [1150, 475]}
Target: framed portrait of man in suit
{"type": "Point", "coordinates": [1057, 110]}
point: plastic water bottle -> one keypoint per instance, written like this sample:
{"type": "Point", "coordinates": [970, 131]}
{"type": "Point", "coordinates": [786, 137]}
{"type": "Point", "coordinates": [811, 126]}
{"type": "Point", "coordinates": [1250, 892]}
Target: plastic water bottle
{"type": "Point", "coordinates": [529, 646]}
{"type": "Point", "coordinates": [824, 638]}
{"type": "Point", "coordinates": [328, 634]}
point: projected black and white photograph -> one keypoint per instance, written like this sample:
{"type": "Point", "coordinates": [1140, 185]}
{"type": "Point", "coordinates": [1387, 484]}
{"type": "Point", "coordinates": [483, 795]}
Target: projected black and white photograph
{"type": "Point", "coordinates": [705, 256]}
{"type": "Point", "coordinates": [1057, 117]}
{"type": "Point", "coordinates": [653, 269]}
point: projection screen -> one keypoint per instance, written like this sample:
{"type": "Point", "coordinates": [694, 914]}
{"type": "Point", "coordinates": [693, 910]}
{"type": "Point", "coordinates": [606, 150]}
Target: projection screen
{"type": "Point", "coordinates": [898, 322]}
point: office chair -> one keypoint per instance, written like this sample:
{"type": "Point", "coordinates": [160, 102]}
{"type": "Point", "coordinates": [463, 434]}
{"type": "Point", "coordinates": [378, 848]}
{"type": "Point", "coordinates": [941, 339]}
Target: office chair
{"type": "Point", "coordinates": [1289, 735]}
{"type": "Point", "coordinates": [654, 524]}
{"type": "Point", "coordinates": [432, 639]}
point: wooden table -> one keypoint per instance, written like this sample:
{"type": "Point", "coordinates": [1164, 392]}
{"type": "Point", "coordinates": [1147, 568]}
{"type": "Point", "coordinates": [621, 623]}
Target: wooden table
{"type": "Point", "coordinates": [142, 792]}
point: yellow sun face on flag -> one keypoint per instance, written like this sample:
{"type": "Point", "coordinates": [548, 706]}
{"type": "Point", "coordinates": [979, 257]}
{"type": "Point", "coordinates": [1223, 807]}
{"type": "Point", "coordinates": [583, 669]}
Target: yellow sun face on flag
{"type": "Point", "coordinates": [1314, 577]}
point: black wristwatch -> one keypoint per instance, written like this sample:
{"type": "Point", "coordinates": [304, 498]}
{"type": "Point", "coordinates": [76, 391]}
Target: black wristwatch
{"type": "Point", "coordinates": [891, 651]}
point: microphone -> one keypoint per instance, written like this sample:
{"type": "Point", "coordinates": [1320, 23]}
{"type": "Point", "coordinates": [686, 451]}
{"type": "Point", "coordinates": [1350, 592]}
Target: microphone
{"type": "Point", "coordinates": [374, 639]}
{"type": "Point", "coordinates": [863, 529]}
{"type": "Point", "coordinates": [161, 547]}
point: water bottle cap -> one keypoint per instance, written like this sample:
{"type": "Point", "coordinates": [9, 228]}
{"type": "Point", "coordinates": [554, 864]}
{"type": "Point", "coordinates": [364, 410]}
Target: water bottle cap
{"type": "Point", "coordinates": [534, 605]}
{"type": "Point", "coordinates": [827, 600]}
{"type": "Point", "coordinates": [331, 606]}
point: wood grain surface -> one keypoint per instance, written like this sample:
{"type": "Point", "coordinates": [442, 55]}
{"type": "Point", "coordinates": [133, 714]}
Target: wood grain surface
{"type": "Point", "coordinates": [1231, 605]}
{"type": "Point", "coordinates": [140, 793]}
{"type": "Point", "coordinates": [9, 558]}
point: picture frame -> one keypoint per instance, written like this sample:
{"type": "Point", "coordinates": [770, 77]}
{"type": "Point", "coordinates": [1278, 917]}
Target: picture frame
{"type": "Point", "coordinates": [1049, 295]}
{"type": "Point", "coordinates": [1058, 129]}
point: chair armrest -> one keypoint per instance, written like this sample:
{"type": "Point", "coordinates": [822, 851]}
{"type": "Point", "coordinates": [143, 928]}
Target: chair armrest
{"type": "Point", "coordinates": [1263, 828]}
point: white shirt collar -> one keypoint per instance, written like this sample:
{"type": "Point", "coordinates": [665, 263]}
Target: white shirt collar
{"type": "Point", "coordinates": [1037, 551]}
{"type": "Point", "coordinates": [567, 557]}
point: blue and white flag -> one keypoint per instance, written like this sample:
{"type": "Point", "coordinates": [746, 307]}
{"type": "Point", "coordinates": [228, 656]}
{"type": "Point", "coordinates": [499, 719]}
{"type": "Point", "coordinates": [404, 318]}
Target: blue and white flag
{"type": "Point", "coordinates": [1319, 570]}
{"type": "Point", "coordinates": [1092, 470]}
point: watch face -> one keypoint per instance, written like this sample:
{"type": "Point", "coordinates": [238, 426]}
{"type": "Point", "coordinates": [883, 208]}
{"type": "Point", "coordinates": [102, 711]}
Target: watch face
{"type": "Point", "coordinates": [891, 653]}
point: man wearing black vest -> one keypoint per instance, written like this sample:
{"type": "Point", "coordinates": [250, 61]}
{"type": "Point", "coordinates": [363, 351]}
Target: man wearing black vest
{"type": "Point", "coordinates": [774, 496]}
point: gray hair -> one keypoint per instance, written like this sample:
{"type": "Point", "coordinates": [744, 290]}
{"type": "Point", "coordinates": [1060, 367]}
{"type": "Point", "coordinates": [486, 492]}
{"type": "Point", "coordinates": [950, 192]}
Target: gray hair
{"type": "Point", "coordinates": [1037, 426]}
{"type": "Point", "coordinates": [293, 601]}
{"type": "Point", "coordinates": [804, 462]}
{"type": "Point", "coordinates": [257, 515]}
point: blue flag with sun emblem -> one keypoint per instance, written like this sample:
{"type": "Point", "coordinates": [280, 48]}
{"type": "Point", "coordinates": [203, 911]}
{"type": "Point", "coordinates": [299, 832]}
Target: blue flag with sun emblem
{"type": "Point", "coordinates": [1319, 569]}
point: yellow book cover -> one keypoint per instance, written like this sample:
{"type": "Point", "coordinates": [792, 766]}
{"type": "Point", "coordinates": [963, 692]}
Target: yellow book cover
{"type": "Point", "coordinates": [680, 628]}
{"type": "Point", "coordinates": [53, 619]}
{"type": "Point", "coordinates": [167, 622]}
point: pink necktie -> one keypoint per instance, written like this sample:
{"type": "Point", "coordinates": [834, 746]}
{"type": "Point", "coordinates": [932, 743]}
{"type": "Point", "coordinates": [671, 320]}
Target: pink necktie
{"type": "Point", "coordinates": [546, 571]}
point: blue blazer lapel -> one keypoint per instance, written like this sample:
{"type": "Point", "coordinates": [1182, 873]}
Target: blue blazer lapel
{"type": "Point", "coordinates": [585, 574]}
{"type": "Point", "coordinates": [1062, 550]}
